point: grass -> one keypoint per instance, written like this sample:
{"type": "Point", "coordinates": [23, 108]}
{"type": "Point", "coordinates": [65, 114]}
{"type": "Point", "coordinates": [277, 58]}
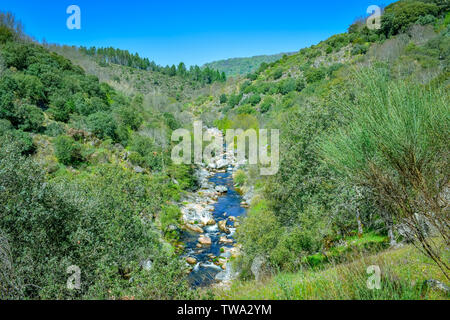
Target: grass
{"type": "Point", "coordinates": [403, 272]}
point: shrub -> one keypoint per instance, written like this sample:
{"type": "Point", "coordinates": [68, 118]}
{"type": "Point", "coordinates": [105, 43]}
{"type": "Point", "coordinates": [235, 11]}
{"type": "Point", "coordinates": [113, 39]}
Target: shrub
{"type": "Point", "coordinates": [397, 144]}
{"type": "Point", "coordinates": [400, 15]}
{"type": "Point", "coordinates": [67, 150]}
{"type": "Point", "coordinates": [240, 178]}
{"type": "Point", "coordinates": [54, 129]}
{"type": "Point", "coordinates": [103, 125]}
{"type": "Point", "coordinates": [253, 99]}
{"type": "Point", "coordinates": [30, 118]}
{"type": "Point", "coordinates": [267, 104]}
{"type": "Point", "coordinates": [277, 74]}
{"type": "Point", "coordinates": [287, 85]}
{"type": "Point", "coordinates": [314, 74]}
{"type": "Point", "coordinates": [223, 98]}
{"type": "Point", "coordinates": [234, 100]}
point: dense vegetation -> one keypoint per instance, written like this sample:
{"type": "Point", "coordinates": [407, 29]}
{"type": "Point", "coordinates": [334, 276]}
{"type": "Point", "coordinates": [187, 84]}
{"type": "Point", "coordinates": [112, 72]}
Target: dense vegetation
{"type": "Point", "coordinates": [85, 180]}
{"type": "Point", "coordinates": [123, 57]}
{"type": "Point", "coordinates": [242, 66]}
{"type": "Point", "coordinates": [363, 118]}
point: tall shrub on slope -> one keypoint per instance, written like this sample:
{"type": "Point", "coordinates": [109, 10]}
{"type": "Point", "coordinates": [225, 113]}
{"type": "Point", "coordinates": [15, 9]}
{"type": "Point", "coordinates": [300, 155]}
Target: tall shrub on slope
{"type": "Point", "coordinates": [397, 144]}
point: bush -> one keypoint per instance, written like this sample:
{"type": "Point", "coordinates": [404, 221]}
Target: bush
{"type": "Point", "coordinates": [397, 144]}
{"type": "Point", "coordinates": [67, 150]}
{"type": "Point", "coordinates": [267, 104]}
{"type": "Point", "coordinates": [314, 74]}
{"type": "Point", "coordinates": [30, 118]}
{"type": "Point", "coordinates": [103, 125]}
{"type": "Point", "coordinates": [287, 85]}
{"type": "Point", "coordinates": [253, 99]}
{"type": "Point", "coordinates": [400, 15]}
{"type": "Point", "coordinates": [277, 74]}
{"type": "Point", "coordinates": [234, 100]}
{"type": "Point", "coordinates": [223, 98]}
{"type": "Point", "coordinates": [240, 178]}
{"type": "Point", "coordinates": [54, 129]}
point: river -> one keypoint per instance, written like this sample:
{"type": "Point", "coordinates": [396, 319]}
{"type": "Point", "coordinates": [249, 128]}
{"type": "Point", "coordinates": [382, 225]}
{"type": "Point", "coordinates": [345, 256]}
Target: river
{"type": "Point", "coordinates": [216, 214]}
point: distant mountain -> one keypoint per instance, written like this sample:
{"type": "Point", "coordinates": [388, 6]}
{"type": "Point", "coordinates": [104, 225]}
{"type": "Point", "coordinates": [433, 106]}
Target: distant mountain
{"type": "Point", "coordinates": [239, 66]}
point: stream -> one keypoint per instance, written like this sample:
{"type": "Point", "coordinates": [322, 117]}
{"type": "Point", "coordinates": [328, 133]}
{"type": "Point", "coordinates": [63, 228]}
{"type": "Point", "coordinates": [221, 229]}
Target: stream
{"type": "Point", "coordinates": [210, 216]}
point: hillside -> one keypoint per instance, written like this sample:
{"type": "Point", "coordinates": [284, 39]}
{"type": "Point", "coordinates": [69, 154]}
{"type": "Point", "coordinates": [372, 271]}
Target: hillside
{"type": "Point", "coordinates": [242, 66]}
{"type": "Point", "coordinates": [346, 109]}
{"type": "Point", "coordinates": [86, 181]}
{"type": "Point", "coordinates": [131, 79]}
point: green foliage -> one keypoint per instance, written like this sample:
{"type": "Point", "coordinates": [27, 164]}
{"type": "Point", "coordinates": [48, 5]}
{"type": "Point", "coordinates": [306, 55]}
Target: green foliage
{"type": "Point", "coordinates": [287, 85]}
{"type": "Point", "coordinates": [30, 118]}
{"type": "Point", "coordinates": [67, 150]}
{"type": "Point", "coordinates": [240, 178]}
{"type": "Point", "coordinates": [170, 215]}
{"type": "Point", "coordinates": [6, 34]}
{"type": "Point", "coordinates": [100, 222]}
{"type": "Point", "coordinates": [277, 74]}
{"type": "Point", "coordinates": [234, 100]}
{"type": "Point", "coordinates": [254, 99]}
{"type": "Point", "coordinates": [397, 145]}
{"type": "Point", "coordinates": [241, 66]}
{"type": "Point", "coordinates": [314, 74]}
{"type": "Point", "coordinates": [400, 15]}
{"type": "Point", "coordinates": [103, 125]}
{"type": "Point", "coordinates": [151, 155]}
{"type": "Point", "coordinates": [267, 104]}
{"type": "Point", "coordinates": [223, 98]}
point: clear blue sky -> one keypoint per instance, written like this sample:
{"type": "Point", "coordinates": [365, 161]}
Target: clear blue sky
{"type": "Point", "coordinates": [195, 32]}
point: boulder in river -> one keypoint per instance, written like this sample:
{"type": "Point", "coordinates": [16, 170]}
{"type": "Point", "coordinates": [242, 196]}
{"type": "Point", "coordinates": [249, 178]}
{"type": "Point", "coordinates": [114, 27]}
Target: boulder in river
{"type": "Point", "coordinates": [194, 228]}
{"type": "Point", "coordinates": [204, 240]}
{"type": "Point", "coordinates": [223, 226]}
{"type": "Point", "coordinates": [191, 260]}
{"type": "Point", "coordinates": [225, 240]}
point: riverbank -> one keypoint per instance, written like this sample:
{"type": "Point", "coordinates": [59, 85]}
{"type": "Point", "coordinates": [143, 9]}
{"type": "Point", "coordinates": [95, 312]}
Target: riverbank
{"type": "Point", "coordinates": [405, 274]}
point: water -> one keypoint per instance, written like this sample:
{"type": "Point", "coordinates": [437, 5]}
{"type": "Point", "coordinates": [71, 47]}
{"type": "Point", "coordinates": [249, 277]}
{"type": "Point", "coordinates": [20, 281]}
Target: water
{"type": "Point", "coordinates": [205, 271]}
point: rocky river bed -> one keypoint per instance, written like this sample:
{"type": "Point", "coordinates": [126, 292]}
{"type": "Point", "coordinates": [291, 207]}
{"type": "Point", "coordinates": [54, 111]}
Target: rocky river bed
{"type": "Point", "coordinates": [210, 216]}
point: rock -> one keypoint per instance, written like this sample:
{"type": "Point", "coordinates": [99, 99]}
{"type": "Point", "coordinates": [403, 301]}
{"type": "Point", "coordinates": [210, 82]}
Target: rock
{"type": "Point", "coordinates": [221, 189]}
{"type": "Point", "coordinates": [205, 240]}
{"type": "Point", "coordinates": [223, 226]}
{"type": "Point", "coordinates": [194, 228]}
{"type": "Point", "coordinates": [191, 260]}
{"type": "Point", "coordinates": [225, 240]}
{"type": "Point", "coordinates": [232, 219]}
{"type": "Point", "coordinates": [434, 284]}
{"type": "Point", "coordinates": [244, 205]}
{"type": "Point", "coordinates": [198, 245]}
{"type": "Point", "coordinates": [211, 222]}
